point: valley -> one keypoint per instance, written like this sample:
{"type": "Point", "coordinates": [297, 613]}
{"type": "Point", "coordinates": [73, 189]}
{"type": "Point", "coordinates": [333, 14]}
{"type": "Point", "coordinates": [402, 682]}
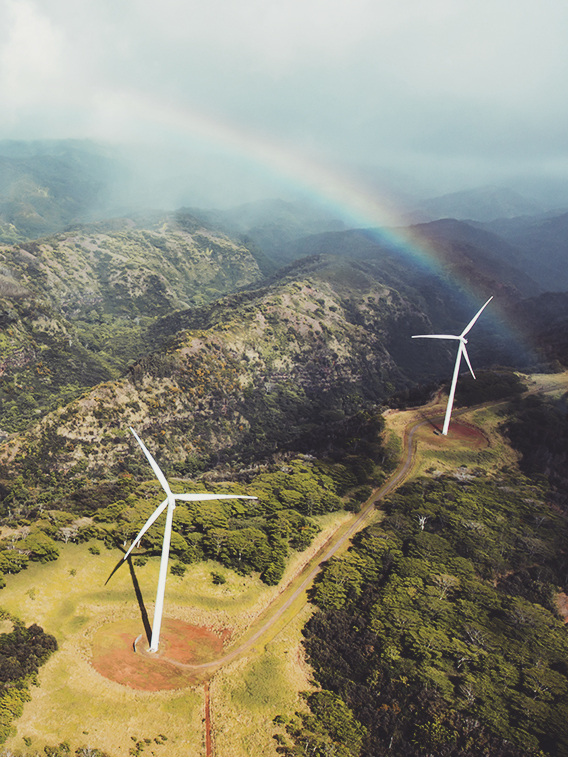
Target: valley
{"type": "Point", "coordinates": [390, 588]}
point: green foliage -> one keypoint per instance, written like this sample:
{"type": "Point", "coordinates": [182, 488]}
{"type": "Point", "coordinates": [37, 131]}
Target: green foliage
{"type": "Point", "coordinates": [245, 536]}
{"type": "Point", "coordinates": [330, 728]}
{"type": "Point", "coordinates": [40, 546]}
{"type": "Point", "coordinates": [539, 431]}
{"type": "Point", "coordinates": [445, 616]}
{"type": "Point", "coordinates": [12, 561]}
{"type": "Point", "coordinates": [489, 386]}
{"type": "Point", "coordinates": [178, 569]}
{"type": "Point", "coordinates": [22, 652]}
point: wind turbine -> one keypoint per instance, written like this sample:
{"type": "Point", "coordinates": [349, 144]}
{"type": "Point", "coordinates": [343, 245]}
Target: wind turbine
{"type": "Point", "coordinates": [461, 351]}
{"type": "Point", "coordinates": [170, 504]}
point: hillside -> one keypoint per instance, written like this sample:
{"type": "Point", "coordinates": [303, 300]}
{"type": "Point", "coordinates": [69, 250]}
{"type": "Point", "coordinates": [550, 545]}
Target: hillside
{"type": "Point", "coordinates": [252, 374]}
{"type": "Point", "coordinates": [481, 204]}
{"type": "Point", "coordinates": [48, 184]}
{"type": "Point", "coordinates": [543, 241]}
{"type": "Point", "coordinates": [481, 260]}
{"type": "Point", "coordinates": [75, 306]}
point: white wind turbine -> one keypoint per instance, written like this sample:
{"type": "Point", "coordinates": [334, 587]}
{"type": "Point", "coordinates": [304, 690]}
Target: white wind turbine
{"type": "Point", "coordinates": [170, 504]}
{"type": "Point", "coordinates": [461, 351]}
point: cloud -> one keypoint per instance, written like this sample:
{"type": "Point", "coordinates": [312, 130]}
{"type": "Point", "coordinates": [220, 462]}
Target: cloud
{"type": "Point", "coordinates": [375, 82]}
{"type": "Point", "coordinates": [31, 62]}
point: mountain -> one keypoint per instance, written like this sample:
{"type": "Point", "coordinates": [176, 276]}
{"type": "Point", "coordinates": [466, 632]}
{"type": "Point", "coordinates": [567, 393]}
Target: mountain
{"type": "Point", "coordinates": [460, 246]}
{"type": "Point", "coordinates": [251, 374]}
{"type": "Point", "coordinates": [74, 307]}
{"type": "Point", "coordinates": [271, 224]}
{"type": "Point", "coordinates": [483, 261]}
{"type": "Point", "coordinates": [259, 372]}
{"type": "Point", "coordinates": [544, 242]}
{"type": "Point", "coordinates": [46, 185]}
{"type": "Point", "coordinates": [544, 322]}
{"type": "Point", "coordinates": [482, 204]}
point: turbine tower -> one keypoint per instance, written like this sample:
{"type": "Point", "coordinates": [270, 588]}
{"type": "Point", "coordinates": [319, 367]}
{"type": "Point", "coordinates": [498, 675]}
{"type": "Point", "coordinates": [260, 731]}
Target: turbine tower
{"type": "Point", "coordinates": [170, 504]}
{"type": "Point", "coordinates": [461, 351]}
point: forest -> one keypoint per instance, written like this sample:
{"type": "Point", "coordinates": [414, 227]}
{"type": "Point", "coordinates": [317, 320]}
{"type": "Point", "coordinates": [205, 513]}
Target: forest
{"type": "Point", "coordinates": [438, 632]}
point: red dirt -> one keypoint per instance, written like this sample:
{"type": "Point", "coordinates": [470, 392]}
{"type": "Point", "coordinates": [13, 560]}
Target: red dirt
{"type": "Point", "coordinates": [208, 743]}
{"type": "Point", "coordinates": [470, 436]}
{"type": "Point", "coordinates": [114, 656]}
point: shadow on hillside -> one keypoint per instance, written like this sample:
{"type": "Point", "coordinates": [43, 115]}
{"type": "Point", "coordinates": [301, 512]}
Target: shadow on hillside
{"type": "Point", "coordinates": [437, 429]}
{"type": "Point", "coordinates": [137, 591]}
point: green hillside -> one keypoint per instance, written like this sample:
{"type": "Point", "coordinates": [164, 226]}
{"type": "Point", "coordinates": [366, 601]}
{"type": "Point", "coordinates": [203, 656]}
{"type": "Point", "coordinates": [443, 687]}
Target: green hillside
{"type": "Point", "coordinates": [255, 373]}
{"type": "Point", "coordinates": [46, 185]}
{"type": "Point", "coordinates": [75, 306]}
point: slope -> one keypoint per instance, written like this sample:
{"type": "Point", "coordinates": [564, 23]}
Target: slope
{"type": "Point", "coordinates": [480, 204]}
{"type": "Point", "coordinates": [483, 260]}
{"type": "Point", "coordinates": [545, 246]}
{"type": "Point", "coordinates": [75, 306]}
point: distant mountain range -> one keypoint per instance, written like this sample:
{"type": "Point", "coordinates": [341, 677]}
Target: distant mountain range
{"type": "Point", "coordinates": [481, 204]}
{"type": "Point", "coordinates": [246, 331]}
{"type": "Point", "coordinates": [46, 185]}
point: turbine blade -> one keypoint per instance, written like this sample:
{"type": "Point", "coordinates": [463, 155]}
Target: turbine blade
{"type": "Point", "coordinates": [199, 497]}
{"type": "Point", "coordinates": [467, 360]}
{"type": "Point", "coordinates": [435, 336]}
{"type": "Point", "coordinates": [159, 475]}
{"type": "Point", "coordinates": [154, 517]}
{"type": "Point", "coordinates": [475, 317]}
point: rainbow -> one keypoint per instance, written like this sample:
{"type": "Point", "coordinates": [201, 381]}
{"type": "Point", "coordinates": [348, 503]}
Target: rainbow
{"type": "Point", "coordinates": [340, 192]}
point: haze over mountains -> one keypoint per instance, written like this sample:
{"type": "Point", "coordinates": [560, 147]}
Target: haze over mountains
{"type": "Point", "coordinates": [86, 302]}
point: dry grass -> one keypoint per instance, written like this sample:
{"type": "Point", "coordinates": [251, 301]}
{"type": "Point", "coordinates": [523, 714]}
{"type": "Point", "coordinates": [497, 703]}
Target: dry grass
{"type": "Point", "coordinates": [73, 703]}
{"type": "Point", "coordinates": [248, 694]}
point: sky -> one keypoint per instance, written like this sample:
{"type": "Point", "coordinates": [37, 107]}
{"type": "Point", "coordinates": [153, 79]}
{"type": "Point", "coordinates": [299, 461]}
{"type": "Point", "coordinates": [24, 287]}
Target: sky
{"type": "Point", "coordinates": [408, 98]}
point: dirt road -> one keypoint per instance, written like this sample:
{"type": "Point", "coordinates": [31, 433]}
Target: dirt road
{"type": "Point", "coordinates": [303, 581]}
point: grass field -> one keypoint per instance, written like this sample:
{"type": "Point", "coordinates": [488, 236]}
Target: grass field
{"type": "Point", "coordinates": [74, 703]}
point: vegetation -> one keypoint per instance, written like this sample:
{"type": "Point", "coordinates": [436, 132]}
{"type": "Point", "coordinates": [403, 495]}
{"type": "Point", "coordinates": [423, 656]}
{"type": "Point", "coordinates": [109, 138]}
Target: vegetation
{"type": "Point", "coordinates": [489, 386]}
{"type": "Point", "coordinates": [255, 535]}
{"type": "Point", "coordinates": [537, 428]}
{"type": "Point", "coordinates": [439, 628]}
{"type": "Point", "coordinates": [22, 652]}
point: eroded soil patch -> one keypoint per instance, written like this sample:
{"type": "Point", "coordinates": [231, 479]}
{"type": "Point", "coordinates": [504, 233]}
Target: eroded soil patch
{"type": "Point", "coordinates": [466, 435]}
{"type": "Point", "coordinates": [114, 656]}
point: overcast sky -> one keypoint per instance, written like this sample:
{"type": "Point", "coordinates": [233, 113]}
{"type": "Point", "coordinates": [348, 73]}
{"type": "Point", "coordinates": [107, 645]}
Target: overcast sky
{"type": "Point", "coordinates": [446, 94]}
